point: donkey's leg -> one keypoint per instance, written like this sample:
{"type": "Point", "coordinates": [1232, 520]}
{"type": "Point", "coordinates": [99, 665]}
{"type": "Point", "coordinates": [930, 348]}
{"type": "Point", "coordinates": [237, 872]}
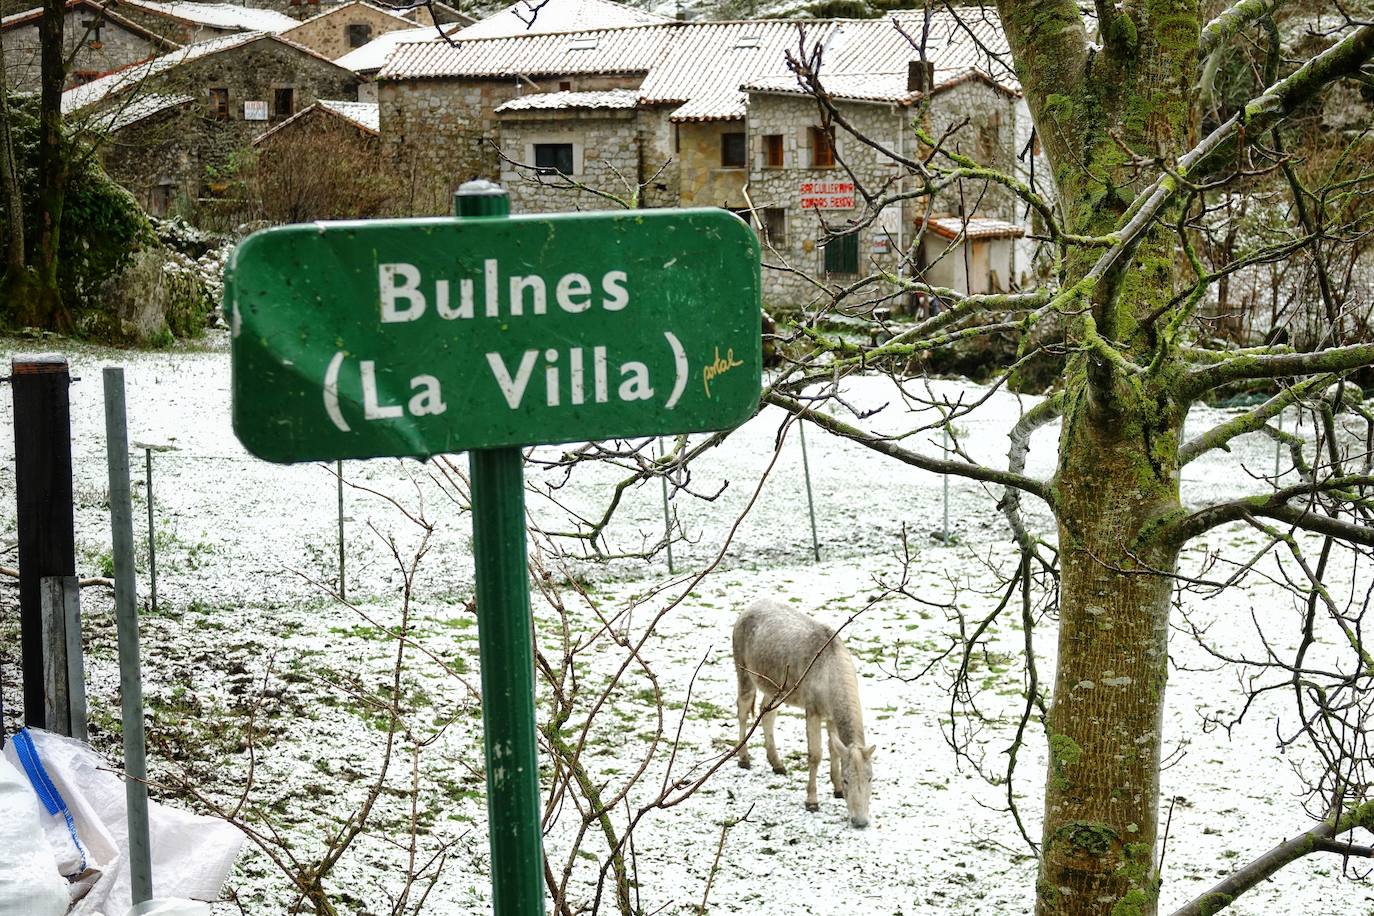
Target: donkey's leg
{"type": "Point", "coordinates": [835, 782]}
{"type": "Point", "coordinates": [813, 757]}
{"type": "Point", "coordinates": [768, 744]}
{"type": "Point", "coordinates": [744, 707]}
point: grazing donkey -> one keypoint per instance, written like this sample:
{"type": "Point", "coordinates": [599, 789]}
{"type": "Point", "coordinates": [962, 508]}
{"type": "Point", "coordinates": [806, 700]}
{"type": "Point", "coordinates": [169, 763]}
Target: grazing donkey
{"type": "Point", "coordinates": [789, 658]}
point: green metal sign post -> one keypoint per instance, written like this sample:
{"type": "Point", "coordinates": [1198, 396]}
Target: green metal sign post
{"type": "Point", "coordinates": [505, 645]}
{"type": "Point", "coordinates": [486, 333]}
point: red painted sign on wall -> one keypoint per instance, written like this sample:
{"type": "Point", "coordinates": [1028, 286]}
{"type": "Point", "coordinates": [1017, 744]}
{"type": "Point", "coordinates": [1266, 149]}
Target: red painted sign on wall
{"type": "Point", "coordinates": [827, 195]}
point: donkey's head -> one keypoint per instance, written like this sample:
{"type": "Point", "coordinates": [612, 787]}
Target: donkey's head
{"type": "Point", "coordinates": [856, 772]}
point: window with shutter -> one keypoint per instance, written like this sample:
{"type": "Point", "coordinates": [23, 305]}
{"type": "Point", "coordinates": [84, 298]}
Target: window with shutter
{"type": "Point", "coordinates": [842, 254]}
{"type": "Point", "coordinates": [822, 148]}
{"type": "Point", "coordinates": [772, 151]}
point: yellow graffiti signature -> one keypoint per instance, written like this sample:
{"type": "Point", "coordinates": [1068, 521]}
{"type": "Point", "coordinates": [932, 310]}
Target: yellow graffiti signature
{"type": "Point", "coordinates": [718, 367]}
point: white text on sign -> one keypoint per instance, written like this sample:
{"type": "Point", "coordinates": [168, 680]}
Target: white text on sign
{"type": "Point", "coordinates": [404, 296]}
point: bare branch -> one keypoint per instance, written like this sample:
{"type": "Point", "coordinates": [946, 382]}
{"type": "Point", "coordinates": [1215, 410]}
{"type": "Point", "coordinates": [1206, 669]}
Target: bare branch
{"type": "Point", "coordinates": [1318, 839]}
{"type": "Point", "coordinates": [893, 450]}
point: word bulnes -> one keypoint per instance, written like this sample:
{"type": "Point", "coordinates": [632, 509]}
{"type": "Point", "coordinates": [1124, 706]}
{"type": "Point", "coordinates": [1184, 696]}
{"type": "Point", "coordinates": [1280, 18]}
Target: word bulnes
{"type": "Point", "coordinates": [576, 376]}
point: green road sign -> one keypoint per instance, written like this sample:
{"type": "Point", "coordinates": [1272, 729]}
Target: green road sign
{"type": "Point", "coordinates": [420, 336]}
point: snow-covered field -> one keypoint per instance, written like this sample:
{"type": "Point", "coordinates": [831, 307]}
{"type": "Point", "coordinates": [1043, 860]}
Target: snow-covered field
{"type": "Point", "coordinates": [248, 658]}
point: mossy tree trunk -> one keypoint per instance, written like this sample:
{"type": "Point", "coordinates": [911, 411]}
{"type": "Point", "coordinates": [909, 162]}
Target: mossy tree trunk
{"type": "Point", "coordinates": [1105, 723]}
{"type": "Point", "coordinates": [9, 178]}
{"type": "Point", "coordinates": [1096, 111]}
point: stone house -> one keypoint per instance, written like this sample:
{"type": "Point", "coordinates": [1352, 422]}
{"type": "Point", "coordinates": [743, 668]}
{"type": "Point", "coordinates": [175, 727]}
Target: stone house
{"type": "Point", "coordinates": [709, 114]}
{"type": "Point", "coordinates": [173, 125]}
{"type": "Point", "coordinates": [97, 41]}
{"type": "Point", "coordinates": [346, 27]}
{"type": "Point", "coordinates": [438, 101]}
{"type": "Point", "coordinates": [805, 182]}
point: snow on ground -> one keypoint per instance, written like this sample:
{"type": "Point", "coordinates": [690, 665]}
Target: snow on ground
{"type": "Point", "coordinates": [247, 658]}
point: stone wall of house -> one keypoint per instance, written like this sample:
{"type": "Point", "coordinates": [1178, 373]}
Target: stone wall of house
{"type": "Point", "coordinates": [328, 34]}
{"type": "Point", "coordinates": [605, 158]}
{"type": "Point", "coordinates": [703, 180]}
{"type": "Point", "coordinates": [784, 189]}
{"type": "Point", "coordinates": [989, 137]}
{"type": "Point", "coordinates": [152, 159]}
{"type": "Point", "coordinates": [442, 133]}
{"type": "Point", "coordinates": [181, 31]}
{"type": "Point", "coordinates": [90, 57]}
{"type": "Point", "coordinates": [660, 163]}
{"type": "Point", "coordinates": [250, 73]}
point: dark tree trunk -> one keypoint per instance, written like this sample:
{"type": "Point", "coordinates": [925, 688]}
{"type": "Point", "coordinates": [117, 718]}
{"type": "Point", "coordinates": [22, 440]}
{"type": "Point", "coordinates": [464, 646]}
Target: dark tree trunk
{"type": "Point", "coordinates": [44, 307]}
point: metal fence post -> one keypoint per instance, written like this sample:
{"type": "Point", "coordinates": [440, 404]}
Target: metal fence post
{"type": "Point", "coordinates": [338, 473]}
{"type": "Point", "coordinates": [944, 448]}
{"type": "Point", "coordinates": [810, 502]}
{"type": "Point", "coordinates": [667, 516]}
{"type": "Point", "coordinates": [126, 620]}
{"type": "Point", "coordinates": [152, 547]}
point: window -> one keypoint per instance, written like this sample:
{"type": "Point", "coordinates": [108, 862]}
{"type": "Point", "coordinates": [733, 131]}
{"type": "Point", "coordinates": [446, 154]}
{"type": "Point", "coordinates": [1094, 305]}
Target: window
{"type": "Point", "coordinates": [219, 104]}
{"type": "Point", "coordinates": [774, 226]}
{"type": "Point", "coordinates": [822, 148]}
{"type": "Point", "coordinates": [842, 254]}
{"type": "Point", "coordinates": [283, 103]}
{"type": "Point", "coordinates": [565, 85]}
{"type": "Point", "coordinates": [733, 150]}
{"type": "Point", "coordinates": [359, 34]}
{"type": "Point", "coordinates": [772, 151]}
{"type": "Point", "coordinates": [554, 157]}
{"type": "Point", "coordinates": [93, 27]}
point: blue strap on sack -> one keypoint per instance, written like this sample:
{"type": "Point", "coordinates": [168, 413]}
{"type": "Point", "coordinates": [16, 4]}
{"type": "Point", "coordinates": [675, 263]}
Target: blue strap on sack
{"type": "Point", "coordinates": [42, 784]}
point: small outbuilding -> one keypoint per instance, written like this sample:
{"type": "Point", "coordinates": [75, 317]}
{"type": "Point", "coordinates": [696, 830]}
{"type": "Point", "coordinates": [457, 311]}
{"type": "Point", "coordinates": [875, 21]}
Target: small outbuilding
{"type": "Point", "coordinates": [975, 255]}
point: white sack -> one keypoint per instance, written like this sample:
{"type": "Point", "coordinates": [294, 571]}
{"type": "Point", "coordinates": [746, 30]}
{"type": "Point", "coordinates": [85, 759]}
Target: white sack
{"type": "Point", "coordinates": [191, 854]}
{"type": "Point", "coordinates": [29, 882]}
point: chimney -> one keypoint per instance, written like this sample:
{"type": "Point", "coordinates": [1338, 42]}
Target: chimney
{"type": "Point", "coordinates": [920, 75]}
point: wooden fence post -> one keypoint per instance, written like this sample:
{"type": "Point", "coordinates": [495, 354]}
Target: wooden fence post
{"type": "Point", "coordinates": [64, 675]}
{"type": "Point", "coordinates": [43, 492]}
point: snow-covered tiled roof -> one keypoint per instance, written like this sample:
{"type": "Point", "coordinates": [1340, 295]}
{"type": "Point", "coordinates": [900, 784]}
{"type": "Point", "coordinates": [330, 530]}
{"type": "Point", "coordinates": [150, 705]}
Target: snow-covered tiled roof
{"type": "Point", "coordinates": [703, 64]}
{"type": "Point", "coordinates": [372, 56]}
{"type": "Point", "coordinates": [703, 67]}
{"type": "Point", "coordinates": [869, 60]}
{"type": "Point", "coordinates": [140, 109]}
{"type": "Point", "coordinates": [218, 15]}
{"type": "Point", "coordinates": [363, 114]}
{"type": "Point", "coordinates": [87, 94]}
{"type": "Point", "coordinates": [631, 50]}
{"type": "Point", "coordinates": [567, 101]}
{"type": "Point", "coordinates": [133, 77]}
{"type": "Point", "coordinates": [530, 18]}
{"type": "Point", "coordinates": [951, 226]}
